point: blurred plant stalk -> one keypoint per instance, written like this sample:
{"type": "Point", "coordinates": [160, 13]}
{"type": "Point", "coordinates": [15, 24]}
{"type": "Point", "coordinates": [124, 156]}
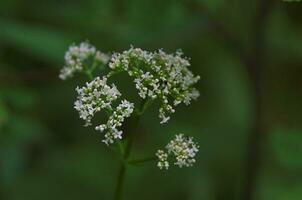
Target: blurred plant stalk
{"type": "Point", "coordinates": [125, 153]}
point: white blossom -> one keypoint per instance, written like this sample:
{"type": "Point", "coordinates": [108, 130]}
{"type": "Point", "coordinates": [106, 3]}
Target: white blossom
{"type": "Point", "coordinates": [162, 159]}
{"type": "Point", "coordinates": [101, 57]}
{"type": "Point", "coordinates": [93, 97]}
{"type": "Point", "coordinates": [123, 110]}
{"type": "Point", "coordinates": [97, 95]}
{"type": "Point", "coordinates": [158, 75]}
{"type": "Point", "coordinates": [77, 57]}
{"type": "Point", "coordinates": [182, 149]}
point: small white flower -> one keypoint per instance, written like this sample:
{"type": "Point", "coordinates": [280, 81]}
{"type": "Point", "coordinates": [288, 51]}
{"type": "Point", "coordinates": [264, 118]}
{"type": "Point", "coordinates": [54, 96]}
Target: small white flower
{"type": "Point", "coordinates": [77, 55]}
{"type": "Point", "coordinates": [182, 149]}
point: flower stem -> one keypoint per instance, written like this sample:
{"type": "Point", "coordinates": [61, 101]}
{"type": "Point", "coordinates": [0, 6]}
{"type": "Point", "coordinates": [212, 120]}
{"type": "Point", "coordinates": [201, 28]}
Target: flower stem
{"type": "Point", "coordinates": [127, 151]}
{"type": "Point", "coordinates": [120, 182]}
{"type": "Point", "coordinates": [89, 75]}
{"type": "Point", "coordinates": [142, 160]}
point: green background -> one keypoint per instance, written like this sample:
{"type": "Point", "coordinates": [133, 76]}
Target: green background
{"type": "Point", "coordinates": [247, 120]}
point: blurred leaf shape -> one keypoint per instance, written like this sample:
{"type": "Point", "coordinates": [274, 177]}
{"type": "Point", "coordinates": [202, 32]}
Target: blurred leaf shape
{"type": "Point", "coordinates": [284, 39]}
{"type": "Point", "coordinates": [213, 5]}
{"type": "Point", "coordinates": [3, 113]}
{"type": "Point", "coordinates": [20, 132]}
{"type": "Point", "coordinates": [274, 186]}
{"type": "Point", "coordinates": [18, 98]}
{"type": "Point", "coordinates": [287, 147]}
{"type": "Point", "coordinates": [45, 43]}
{"type": "Point", "coordinates": [19, 136]}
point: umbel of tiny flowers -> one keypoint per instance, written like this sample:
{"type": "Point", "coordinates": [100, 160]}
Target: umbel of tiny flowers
{"type": "Point", "coordinates": [122, 111]}
{"type": "Point", "coordinates": [158, 75]}
{"type": "Point", "coordinates": [82, 57]}
{"type": "Point", "coordinates": [98, 95]}
{"type": "Point", "coordinates": [183, 150]}
{"type": "Point", "coordinates": [162, 159]}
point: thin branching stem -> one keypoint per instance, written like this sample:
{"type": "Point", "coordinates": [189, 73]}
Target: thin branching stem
{"type": "Point", "coordinates": [120, 182]}
{"type": "Point", "coordinates": [142, 160]}
{"type": "Point", "coordinates": [127, 151]}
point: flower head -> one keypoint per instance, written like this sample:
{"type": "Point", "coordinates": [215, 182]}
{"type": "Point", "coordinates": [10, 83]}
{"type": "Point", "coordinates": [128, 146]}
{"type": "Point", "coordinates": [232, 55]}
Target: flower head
{"type": "Point", "coordinates": [93, 97]}
{"type": "Point", "coordinates": [97, 95]}
{"type": "Point", "coordinates": [162, 159]}
{"type": "Point", "coordinates": [158, 75]}
{"type": "Point", "coordinates": [122, 111]}
{"type": "Point", "coordinates": [182, 149]}
{"type": "Point", "coordinates": [79, 57]}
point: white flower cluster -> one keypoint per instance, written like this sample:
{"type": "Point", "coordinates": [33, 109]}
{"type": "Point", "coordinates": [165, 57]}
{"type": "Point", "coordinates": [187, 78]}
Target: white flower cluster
{"type": "Point", "coordinates": [158, 75]}
{"type": "Point", "coordinates": [182, 148]}
{"type": "Point", "coordinates": [163, 159]}
{"type": "Point", "coordinates": [97, 95]}
{"type": "Point", "coordinates": [115, 120]}
{"type": "Point", "coordinates": [94, 97]}
{"type": "Point", "coordinates": [77, 59]}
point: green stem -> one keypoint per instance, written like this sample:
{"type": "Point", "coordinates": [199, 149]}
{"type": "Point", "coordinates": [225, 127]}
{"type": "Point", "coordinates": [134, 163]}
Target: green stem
{"type": "Point", "coordinates": [89, 74]}
{"type": "Point", "coordinates": [120, 182]}
{"type": "Point", "coordinates": [131, 137]}
{"type": "Point", "coordinates": [121, 148]}
{"type": "Point", "coordinates": [127, 151]}
{"type": "Point", "coordinates": [142, 160]}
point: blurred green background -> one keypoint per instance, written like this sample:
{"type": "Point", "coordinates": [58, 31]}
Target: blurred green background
{"type": "Point", "coordinates": [247, 121]}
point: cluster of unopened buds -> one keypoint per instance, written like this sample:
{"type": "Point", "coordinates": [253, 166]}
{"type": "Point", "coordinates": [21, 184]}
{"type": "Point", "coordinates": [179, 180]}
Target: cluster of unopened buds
{"type": "Point", "coordinates": [156, 75]}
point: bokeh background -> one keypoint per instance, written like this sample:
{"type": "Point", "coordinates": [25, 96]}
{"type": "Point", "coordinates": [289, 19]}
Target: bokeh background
{"type": "Point", "coordinates": [247, 121]}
